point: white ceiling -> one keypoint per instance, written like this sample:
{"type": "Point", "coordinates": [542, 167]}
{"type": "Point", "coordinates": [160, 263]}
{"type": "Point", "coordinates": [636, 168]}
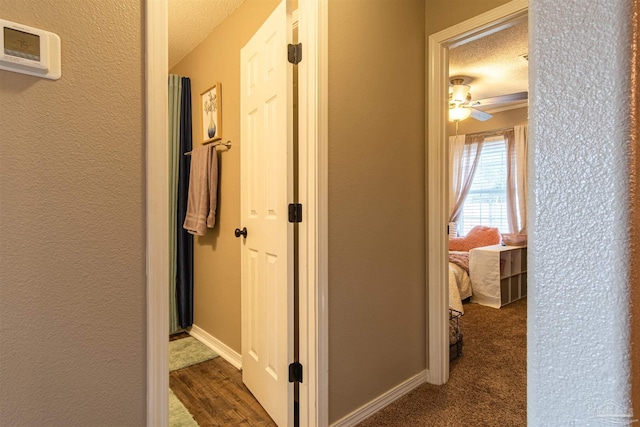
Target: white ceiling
{"type": "Point", "coordinates": [493, 65]}
{"type": "Point", "coordinates": [191, 21]}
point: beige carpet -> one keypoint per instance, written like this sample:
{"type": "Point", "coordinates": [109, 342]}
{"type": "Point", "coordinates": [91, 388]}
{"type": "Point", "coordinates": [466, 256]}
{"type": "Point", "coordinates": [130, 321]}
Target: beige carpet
{"type": "Point", "coordinates": [487, 384]}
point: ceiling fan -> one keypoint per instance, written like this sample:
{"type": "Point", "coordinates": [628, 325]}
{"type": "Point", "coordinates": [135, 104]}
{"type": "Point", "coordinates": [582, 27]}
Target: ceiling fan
{"type": "Point", "coordinates": [461, 107]}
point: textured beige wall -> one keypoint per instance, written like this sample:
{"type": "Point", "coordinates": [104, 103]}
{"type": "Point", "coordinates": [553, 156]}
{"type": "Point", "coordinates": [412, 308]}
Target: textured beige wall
{"type": "Point", "coordinates": [509, 118]}
{"type": "Point", "coordinates": [376, 199]}
{"type": "Point", "coordinates": [217, 254]}
{"type": "Point", "coordinates": [72, 250]}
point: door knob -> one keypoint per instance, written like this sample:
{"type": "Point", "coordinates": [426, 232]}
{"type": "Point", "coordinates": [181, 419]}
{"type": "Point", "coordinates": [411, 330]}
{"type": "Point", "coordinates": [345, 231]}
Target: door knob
{"type": "Point", "coordinates": [242, 232]}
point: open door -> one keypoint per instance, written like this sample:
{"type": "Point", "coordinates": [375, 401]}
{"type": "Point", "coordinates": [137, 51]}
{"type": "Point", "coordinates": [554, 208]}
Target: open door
{"type": "Point", "coordinates": [266, 190]}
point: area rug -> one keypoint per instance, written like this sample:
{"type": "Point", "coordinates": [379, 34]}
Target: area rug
{"type": "Point", "coordinates": [185, 352]}
{"type": "Point", "coordinates": [179, 416]}
{"type": "Point", "coordinates": [188, 351]}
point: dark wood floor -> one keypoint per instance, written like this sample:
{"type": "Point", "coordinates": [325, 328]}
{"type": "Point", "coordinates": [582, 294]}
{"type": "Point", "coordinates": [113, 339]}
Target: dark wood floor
{"type": "Point", "coordinates": [214, 394]}
{"type": "Point", "coordinates": [178, 336]}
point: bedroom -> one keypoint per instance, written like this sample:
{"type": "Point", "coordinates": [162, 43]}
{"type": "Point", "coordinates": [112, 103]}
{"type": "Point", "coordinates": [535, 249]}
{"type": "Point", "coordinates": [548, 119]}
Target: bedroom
{"type": "Point", "coordinates": [487, 190]}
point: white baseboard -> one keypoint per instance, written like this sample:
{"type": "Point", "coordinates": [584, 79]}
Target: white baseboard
{"type": "Point", "coordinates": [381, 401]}
{"type": "Point", "coordinates": [223, 350]}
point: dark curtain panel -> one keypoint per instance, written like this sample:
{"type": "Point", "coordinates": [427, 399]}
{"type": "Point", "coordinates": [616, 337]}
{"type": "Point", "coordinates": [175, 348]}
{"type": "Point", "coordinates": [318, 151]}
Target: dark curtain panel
{"type": "Point", "coordinates": [184, 272]}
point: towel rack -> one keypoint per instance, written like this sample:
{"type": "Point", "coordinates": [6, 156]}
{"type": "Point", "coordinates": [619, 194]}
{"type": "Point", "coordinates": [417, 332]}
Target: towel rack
{"type": "Point", "coordinates": [226, 144]}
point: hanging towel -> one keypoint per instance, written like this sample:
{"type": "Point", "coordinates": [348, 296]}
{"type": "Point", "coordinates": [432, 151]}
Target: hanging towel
{"type": "Point", "coordinates": [203, 191]}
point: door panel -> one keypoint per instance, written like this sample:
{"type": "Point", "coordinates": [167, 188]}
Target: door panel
{"type": "Point", "coordinates": [266, 189]}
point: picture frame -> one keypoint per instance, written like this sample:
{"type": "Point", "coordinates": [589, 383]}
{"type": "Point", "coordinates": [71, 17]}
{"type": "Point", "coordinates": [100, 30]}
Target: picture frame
{"type": "Point", "coordinates": [211, 113]}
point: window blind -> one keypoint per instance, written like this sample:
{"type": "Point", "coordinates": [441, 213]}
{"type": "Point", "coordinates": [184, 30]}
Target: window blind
{"type": "Point", "coordinates": [486, 203]}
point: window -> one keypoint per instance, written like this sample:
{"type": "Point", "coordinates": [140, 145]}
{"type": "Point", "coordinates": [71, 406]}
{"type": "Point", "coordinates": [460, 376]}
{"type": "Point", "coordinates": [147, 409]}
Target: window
{"type": "Point", "coordinates": [486, 203]}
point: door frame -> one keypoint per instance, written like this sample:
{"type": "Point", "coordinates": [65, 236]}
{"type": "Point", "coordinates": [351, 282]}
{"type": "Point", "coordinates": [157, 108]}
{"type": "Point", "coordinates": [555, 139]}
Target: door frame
{"type": "Point", "coordinates": [437, 214]}
{"type": "Point", "coordinates": [313, 234]}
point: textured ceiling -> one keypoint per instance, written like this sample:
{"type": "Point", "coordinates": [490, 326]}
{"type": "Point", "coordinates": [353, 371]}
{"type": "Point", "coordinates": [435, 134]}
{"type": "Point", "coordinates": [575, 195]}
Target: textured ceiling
{"type": "Point", "coordinates": [191, 21]}
{"type": "Point", "coordinates": [493, 64]}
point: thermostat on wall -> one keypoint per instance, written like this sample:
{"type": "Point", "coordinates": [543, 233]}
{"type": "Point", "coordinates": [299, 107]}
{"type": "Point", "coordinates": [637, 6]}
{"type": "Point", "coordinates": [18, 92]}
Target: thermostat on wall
{"type": "Point", "coordinates": [29, 50]}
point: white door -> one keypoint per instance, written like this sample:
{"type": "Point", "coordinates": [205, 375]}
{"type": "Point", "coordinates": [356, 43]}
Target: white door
{"type": "Point", "coordinates": [266, 190]}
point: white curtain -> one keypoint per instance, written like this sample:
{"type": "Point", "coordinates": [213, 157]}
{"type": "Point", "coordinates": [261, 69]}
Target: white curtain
{"type": "Point", "coordinates": [464, 154]}
{"type": "Point", "coordinates": [456, 150]}
{"type": "Point", "coordinates": [517, 147]}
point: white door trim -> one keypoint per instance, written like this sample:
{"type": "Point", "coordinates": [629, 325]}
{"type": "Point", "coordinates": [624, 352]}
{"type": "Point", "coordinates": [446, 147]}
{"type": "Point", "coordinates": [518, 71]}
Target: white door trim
{"type": "Point", "coordinates": [437, 176]}
{"type": "Point", "coordinates": [313, 194]}
{"type": "Point", "coordinates": [313, 231]}
{"type": "Point", "coordinates": [157, 215]}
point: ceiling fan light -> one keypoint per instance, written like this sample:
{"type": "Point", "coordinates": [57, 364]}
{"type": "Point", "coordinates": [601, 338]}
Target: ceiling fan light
{"type": "Point", "coordinates": [459, 93]}
{"type": "Point", "coordinates": [459, 113]}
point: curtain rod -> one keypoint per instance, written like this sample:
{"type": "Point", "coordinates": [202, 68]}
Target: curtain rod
{"type": "Point", "coordinates": [492, 132]}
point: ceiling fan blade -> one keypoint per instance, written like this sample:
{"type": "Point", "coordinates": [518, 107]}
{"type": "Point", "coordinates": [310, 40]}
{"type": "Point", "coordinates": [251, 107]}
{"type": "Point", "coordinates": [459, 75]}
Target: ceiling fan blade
{"type": "Point", "coordinates": [480, 115]}
{"type": "Point", "coordinates": [511, 97]}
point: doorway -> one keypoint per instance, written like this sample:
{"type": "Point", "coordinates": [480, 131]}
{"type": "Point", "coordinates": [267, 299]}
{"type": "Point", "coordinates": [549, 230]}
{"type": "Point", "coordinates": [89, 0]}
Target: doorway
{"type": "Point", "coordinates": [488, 281]}
{"type": "Point", "coordinates": [312, 187]}
{"type": "Point", "coordinates": [437, 172]}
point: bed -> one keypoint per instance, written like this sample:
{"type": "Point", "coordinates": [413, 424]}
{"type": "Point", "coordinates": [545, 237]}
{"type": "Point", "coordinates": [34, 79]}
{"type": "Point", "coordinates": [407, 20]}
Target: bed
{"type": "Point", "coordinates": [459, 281]}
{"type": "Point", "coordinates": [459, 289]}
{"type": "Point", "coordinates": [460, 286]}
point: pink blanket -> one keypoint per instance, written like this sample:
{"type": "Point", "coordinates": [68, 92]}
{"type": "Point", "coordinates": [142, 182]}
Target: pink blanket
{"type": "Point", "coordinates": [460, 259]}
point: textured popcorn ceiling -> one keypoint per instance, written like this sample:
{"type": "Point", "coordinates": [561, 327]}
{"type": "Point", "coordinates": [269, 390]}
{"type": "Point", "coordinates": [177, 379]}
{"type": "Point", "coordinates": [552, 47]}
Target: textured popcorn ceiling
{"type": "Point", "coordinates": [493, 64]}
{"type": "Point", "coordinates": [191, 21]}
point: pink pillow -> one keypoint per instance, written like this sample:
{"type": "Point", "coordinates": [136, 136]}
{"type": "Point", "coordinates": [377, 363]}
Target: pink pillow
{"type": "Point", "coordinates": [478, 236]}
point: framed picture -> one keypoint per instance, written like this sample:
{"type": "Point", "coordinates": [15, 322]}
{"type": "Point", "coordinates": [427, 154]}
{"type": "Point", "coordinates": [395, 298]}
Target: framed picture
{"type": "Point", "coordinates": [211, 114]}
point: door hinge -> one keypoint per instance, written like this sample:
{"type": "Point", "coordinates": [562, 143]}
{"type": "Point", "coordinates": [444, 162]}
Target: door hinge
{"type": "Point", "coordinates": [295, 212]}
{"type": "Point", "coordinates": [295, 372]}
{"type": "Point", "coordinates": [294, 53]}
